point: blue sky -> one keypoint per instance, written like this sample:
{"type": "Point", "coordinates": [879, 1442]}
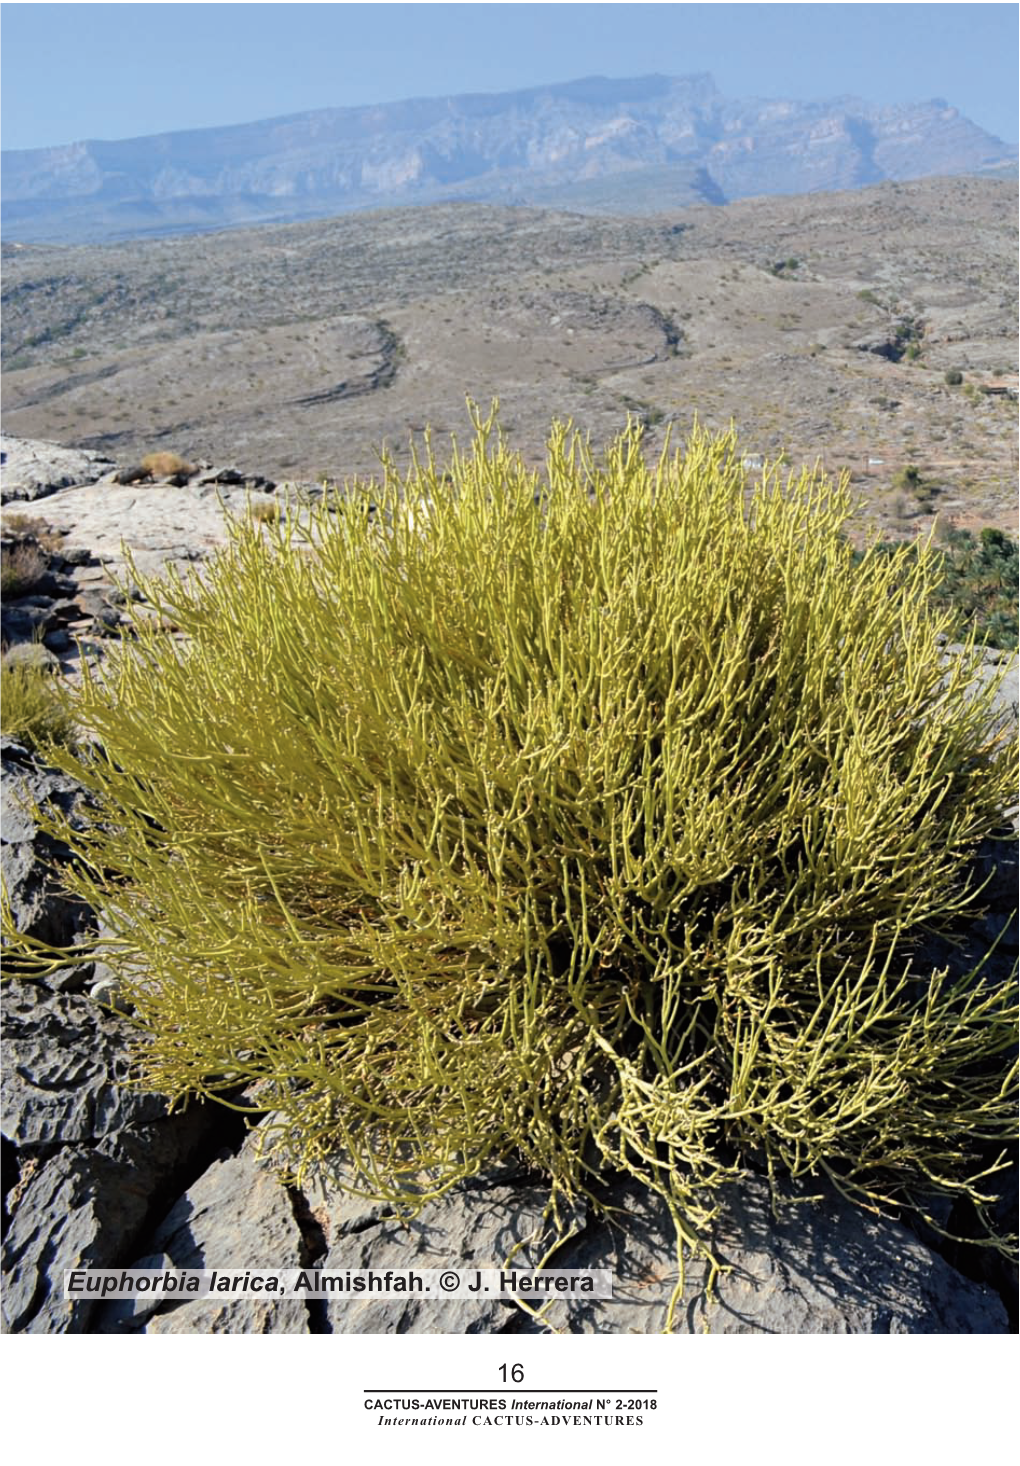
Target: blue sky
{"type": "Point", "coordinates": [72, 72]}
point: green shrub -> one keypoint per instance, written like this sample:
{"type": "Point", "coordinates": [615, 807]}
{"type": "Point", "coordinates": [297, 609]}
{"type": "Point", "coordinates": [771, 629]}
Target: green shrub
{"type": "Point", "coordinates": [908, 478]}
{"type": "Point", "coordinates": [582, 817]}
{"type": "Point", "coordinates": [908, 334]}
{"type": "Point", "coordinates": [911, 479]}
{"type": "Point", "coordinates": [976, 584]}
{"type": "Point", "coordinates": [953, 378]}
{"type": "Point", "coordinates": [31, 709]}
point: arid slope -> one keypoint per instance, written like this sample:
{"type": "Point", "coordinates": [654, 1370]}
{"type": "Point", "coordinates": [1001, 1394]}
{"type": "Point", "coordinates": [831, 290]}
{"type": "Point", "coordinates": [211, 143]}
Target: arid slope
{"type": "Point", "coordinates": [296, 351]}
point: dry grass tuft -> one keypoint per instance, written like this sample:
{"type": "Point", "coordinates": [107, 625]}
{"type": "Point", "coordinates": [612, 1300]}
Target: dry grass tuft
{"type": "Point", "coordinates": [21, 570]}
{"type": "Point", "coordinates": [166, 465]}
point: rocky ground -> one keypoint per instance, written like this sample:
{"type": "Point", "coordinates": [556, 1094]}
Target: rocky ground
{"type": "Point", "coordinates": [822, 326]}
{"type": "Point", "coordinates": [96, 1173]}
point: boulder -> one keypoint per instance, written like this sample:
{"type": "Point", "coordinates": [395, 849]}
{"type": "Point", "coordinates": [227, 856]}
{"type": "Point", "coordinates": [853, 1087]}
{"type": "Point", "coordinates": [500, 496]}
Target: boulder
{"type": "Point", "coordinates": [476, 1225]}
{"type": "Point", "coordinates": [31, 654]}
{"type": "Point", "coordinates": [78, 1209]}
{"type": "Point", "coordinates": [22, 622]}
{"type": "Point", "coordinates": [32, 470]}
{"type": "Point", "coordinates": [94, 1159]}
{"type": "Point", "coordinates": [160, 524]}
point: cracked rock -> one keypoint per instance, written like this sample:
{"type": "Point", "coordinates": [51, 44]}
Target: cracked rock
{"type": "Point", "coordinates": [79, 1209]}
{"type": "Point", "coordinates": [39, 908]}
{"type": "Point", "coordinates": [93, 1158]}
{"type": "Point", "coordinates": [476, 1225]}
{"type": "Point", "coordinates": [819, 1268]}
{"type": "Point", "coordinates": [236, 1215]}
{"type": "Point", "coordinates": [65, 1064]}
{"type": "Point", "coordinates": [815, 1268]}
{"type": "Point", "coordinates": [32, 469]}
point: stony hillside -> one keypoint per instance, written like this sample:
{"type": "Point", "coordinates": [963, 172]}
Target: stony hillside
{"type": "Point", "coordinates": [827, 325]}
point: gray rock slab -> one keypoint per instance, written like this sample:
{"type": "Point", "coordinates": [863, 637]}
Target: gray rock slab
{"type": "Point", "coordinates": [79, 1209]}
{"type": "Point", "coordinates": [30, 469]}
{"type": "Point", "coordinates": [94, 1159]}
{"type": "Point", "coordinates": [65, 1062]}
{"type": "Point", "coordinates": [236, 1215]}
{"type": "Point", "coordinates": [29, 857]}
{"type": "Point", "coordinates": [23, 622]}
{"type": "Point", "coordinates": [161, 524]}
{"type": "Point", "coordinates": [477, 1225]}
{"type": "Point", "coordinates": [813, 1268]}
{"type": "Point", "coordinates": [817, 1268]}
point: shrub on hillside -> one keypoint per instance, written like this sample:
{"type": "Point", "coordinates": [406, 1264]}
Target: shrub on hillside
{"type": "Point", "coordinates": [22, 567]}
{"type": "Point", "coordinates": [166, 465]}
{"type": "Point", "coordinates": [584, 817]}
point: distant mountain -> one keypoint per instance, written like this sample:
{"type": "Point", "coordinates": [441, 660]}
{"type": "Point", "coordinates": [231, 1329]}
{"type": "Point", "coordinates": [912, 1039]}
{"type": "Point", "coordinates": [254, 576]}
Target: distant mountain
{"type": "Point", "coordinates": [651, 142]}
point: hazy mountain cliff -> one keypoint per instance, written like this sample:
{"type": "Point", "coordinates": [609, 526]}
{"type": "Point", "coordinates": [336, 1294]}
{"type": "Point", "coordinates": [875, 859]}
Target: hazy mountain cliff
{"type": "Point", "coordinates": [647, 142]}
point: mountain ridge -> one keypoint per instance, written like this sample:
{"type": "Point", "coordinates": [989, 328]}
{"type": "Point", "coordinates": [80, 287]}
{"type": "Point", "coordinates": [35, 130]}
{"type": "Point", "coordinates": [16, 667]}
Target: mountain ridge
{"type": "Point", "coordinates": [636, 144]}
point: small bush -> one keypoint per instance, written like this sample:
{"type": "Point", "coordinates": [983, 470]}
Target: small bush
{"type": "Point", "coordinates": [584, 818]}
{"type": "Point", "coordinates": [24, 525]}
{"type": "Point", "coordinates": [165, 465]}
{"type": "Point", "coordinates": [953, 378]}
{"type": "Point", "coordinates": [31, 709]}
{"type": "Point", "coordinates": [21, 570]}
{"type": "Point", "coordinates": [266, 512]}
{"type": "Point", "coordinates": [908, 479]}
